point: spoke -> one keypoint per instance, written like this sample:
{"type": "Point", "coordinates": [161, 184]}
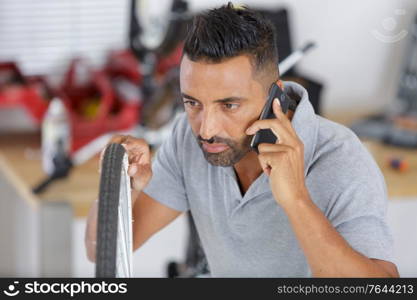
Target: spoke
{"type": "Point", "coordinates": [124, 238]}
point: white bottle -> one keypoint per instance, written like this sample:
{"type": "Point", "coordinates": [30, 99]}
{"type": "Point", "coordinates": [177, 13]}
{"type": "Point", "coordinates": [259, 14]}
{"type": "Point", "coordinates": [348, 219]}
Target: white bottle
{"type": "Point", "coordinates": [55, 128]}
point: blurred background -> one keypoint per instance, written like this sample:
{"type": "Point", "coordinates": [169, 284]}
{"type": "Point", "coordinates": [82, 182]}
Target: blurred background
{"type": "Point", "coordinates": [74, 72]}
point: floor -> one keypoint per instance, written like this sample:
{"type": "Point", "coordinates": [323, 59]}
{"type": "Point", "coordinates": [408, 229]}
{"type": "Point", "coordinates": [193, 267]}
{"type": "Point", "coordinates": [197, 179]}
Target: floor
{"type": "Point", "coordinates": [169, 244]}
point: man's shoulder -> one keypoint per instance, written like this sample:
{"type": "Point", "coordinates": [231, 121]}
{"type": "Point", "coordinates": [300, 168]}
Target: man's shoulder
{"type": "Point", "coordinates": [343, 171]}
{"type": "Point", "coordinates": [342, 155]}
{"type": "Point", "coordinates": [336, 136]}
{"type": "Point", "coordinates": [181, 125]}
{"type": "Point", "coordinates": [181, 131]}
{"type": "Point", "coordinates": [182, 142]}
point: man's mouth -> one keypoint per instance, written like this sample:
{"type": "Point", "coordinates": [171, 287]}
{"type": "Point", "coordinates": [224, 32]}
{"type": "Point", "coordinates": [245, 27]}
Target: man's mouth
{"type": "Point", "coordinates": [214, 148]}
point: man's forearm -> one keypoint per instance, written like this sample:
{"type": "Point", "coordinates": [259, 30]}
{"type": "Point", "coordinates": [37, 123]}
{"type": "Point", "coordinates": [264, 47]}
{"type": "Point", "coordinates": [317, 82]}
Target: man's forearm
{"type": "Point", "coordinates": [327, 252]}
{"type": "Point", "coordinates": [91, 232]}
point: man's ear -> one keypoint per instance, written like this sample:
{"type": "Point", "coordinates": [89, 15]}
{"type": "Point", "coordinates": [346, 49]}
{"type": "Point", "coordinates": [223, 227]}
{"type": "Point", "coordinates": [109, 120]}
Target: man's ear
{"type": "Point", "coordinates": [280, 84]}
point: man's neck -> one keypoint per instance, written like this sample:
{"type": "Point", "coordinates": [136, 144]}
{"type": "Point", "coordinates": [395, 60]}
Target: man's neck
{"type": "Point", "coordinates": [247, 170]}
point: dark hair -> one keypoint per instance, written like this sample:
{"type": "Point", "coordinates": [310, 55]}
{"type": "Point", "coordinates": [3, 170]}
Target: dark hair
{"type": "Point", "coordinates": [229, 31]}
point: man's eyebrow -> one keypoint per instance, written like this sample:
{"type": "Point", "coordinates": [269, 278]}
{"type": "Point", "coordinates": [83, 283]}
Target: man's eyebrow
{"type": "Point", "coordinates": [230, 99]}
{"type": "Point", "coordinates": [189, 97]}
{"type": "Point", "coordinates": [224, 100]}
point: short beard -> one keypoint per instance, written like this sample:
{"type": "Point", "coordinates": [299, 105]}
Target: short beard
{"type": "Point", "coordinates": [229, 157]}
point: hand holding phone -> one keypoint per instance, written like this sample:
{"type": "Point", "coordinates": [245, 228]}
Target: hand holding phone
{"type": "Point", "coordinates": [266, 135]}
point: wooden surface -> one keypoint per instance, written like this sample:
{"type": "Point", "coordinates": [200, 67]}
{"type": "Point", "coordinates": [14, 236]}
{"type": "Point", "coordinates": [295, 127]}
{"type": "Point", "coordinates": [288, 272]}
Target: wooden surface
{"type": "Point", "coordinates": [399, 184]}
{"type": "Point", "coordinates": [21, 158]}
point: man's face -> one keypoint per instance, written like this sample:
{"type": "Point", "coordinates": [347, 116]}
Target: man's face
{"type": "Point", "coordinates": [222, 100]}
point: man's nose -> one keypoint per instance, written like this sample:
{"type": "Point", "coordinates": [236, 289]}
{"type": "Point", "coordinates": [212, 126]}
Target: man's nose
{"type": "Point", "coordinates": [210, 125]}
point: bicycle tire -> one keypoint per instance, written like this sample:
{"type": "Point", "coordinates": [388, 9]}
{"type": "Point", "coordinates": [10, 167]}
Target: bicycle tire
{"type": "Point", "coordinates": [114, 212]}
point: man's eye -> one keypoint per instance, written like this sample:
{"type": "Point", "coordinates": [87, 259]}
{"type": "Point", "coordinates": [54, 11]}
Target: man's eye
{"type": "Point", "coordinates": [231, 106]}
{"type": "Point", "coordinates": [191, 103]}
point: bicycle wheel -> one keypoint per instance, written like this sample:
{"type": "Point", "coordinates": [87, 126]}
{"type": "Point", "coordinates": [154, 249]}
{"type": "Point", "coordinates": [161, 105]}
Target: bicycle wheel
{"type": "Point", "coordinates": [114, 225]}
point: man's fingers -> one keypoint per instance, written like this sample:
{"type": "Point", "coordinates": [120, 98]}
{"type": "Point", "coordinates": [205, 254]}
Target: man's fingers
{"type": "Point", "coordinates": [145, 158]}
{"type": "Point", "coordinates": [276, 107]}
{"type": "Point", "coordinates": [266, 162]}
{"type": "Point", "coordinates": [265, 147]}
{"type": "Point", "coordinates": [266, 168]}
{"type": "Point", "coordinates": [131, 171]}
{"type": "Point", "coordinates": [278, 129]}
{"type": "Point", "coordinates": [268, 159]}
{"type": "Point", "coordinates": [139, 157]}
{"type": "Point", "coordinates": [141, 177]}
{"type": "Point", "coordinates": [100, 161]}
{"type": "Point", "coordinates": [138, 151]}
{"type": "Point", "coordinates": [144, 153]}
{"type": "Point", "coordinates": [118, 139]}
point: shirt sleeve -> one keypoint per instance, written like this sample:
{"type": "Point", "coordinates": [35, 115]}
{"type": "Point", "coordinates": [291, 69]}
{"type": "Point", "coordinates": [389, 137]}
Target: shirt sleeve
{"type": "Point", "coordinates": [167, 183]}
{"type": "Point", "coordinates": [359, 215]}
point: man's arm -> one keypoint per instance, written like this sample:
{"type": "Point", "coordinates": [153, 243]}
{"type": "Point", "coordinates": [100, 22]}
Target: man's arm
{"type": "Point", "coordinates": [327, 252]}
{"type": "Point", "coordinates": [149, 216]}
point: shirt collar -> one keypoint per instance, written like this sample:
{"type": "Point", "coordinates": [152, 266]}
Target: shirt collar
{"type": "Point", "coordinates": [304, 120]}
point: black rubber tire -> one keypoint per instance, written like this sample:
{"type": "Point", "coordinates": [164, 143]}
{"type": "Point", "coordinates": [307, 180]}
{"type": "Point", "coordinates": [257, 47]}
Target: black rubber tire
{"type": "Point", "coordinates": [172, 269]}
{"type": "Point", "coordinates": [108, 211]}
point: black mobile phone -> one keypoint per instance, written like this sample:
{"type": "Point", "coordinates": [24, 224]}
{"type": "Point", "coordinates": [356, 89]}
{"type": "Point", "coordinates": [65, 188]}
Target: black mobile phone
{"type": "Point", "coordinates": [266, 135]}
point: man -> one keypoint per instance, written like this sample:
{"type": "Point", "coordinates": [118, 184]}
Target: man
{"type": "Point", "coordinates": [313, 204]}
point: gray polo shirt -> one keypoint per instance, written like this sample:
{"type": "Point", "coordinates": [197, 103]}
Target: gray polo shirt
{"type": "Point", "coordinates": [250, 235]}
